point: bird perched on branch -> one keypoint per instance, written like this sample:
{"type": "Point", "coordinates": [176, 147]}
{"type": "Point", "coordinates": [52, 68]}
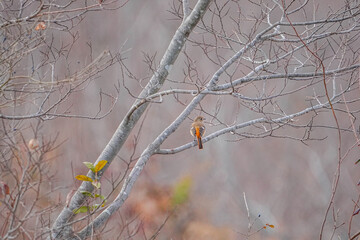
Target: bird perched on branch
{"type": "Point", "coordinates": [198, 129]}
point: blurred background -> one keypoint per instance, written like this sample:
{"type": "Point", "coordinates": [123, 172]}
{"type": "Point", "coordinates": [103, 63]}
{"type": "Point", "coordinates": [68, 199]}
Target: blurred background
{"type": "Point", "coordinates": [234, 182]}
{"type": "Point", "coordinates": [286, 183]}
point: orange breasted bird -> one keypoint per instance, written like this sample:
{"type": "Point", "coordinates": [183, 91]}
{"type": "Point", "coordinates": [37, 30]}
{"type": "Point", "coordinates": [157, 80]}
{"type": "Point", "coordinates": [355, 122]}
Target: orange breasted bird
{"type": "Point", "coordinates": [198, 129]}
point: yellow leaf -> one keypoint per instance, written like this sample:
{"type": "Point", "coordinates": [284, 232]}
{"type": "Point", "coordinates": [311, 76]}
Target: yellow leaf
{"type": "Point", "coordinates": [270, 225]}
{"type": "Point", "coordinates": [40, 26]}
{"type": "Point", "coordinates": [83, 178]}
{"type": "Point", "coordinates": [100, 165]}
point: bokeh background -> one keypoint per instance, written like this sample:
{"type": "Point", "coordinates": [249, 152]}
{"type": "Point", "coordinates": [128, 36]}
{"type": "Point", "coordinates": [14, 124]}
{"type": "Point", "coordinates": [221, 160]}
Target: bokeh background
{"type": "Point", "coordinates": [286, 183]}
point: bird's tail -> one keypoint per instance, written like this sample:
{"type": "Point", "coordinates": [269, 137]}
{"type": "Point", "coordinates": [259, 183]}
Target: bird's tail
{"type": "Point", "coordinates": [200, 143]}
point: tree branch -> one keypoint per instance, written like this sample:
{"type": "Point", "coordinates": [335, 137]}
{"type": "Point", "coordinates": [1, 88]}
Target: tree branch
{"type": "Point", "coordinates": [123, 131]}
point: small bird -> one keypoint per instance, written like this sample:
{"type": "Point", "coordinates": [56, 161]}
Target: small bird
{"type": "Point", "coordinates": [198, 129]}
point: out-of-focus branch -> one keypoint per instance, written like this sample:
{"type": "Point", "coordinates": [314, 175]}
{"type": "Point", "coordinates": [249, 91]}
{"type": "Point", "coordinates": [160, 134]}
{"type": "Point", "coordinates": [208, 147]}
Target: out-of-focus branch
{"type": "Point", "coordinates": [103, 61]}
{"type": "Point", "coordinates": [37, 78]}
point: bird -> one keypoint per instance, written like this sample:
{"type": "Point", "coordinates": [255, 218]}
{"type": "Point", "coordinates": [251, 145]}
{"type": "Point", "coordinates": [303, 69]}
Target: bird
{"type": "Point", "coordinates": [198, 129]}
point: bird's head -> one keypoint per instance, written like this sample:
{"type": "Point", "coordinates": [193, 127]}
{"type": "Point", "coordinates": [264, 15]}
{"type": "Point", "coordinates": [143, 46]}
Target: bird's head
{"type": "Point", "coordinates": [199, 119]}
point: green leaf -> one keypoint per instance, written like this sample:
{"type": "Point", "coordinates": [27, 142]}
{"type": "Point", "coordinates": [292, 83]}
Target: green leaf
{"type": "Point", "coordinates": [96, 206]}
{"type": "Point", "coordinates": [83, 178]}
{"type": "Point", "coordinates": [86, 193]}
{"type": "Point", "coordinates": [96, 184]}
{"type": "Point", "coordinates": [82, 209]}
{"type": "Point", "coordinates": [181, 191]}
{"type": "Point", "coordinates": [90, 166]}
{"type": "Point", "coordinates": [99, 196]}
{"type": "Point", "coordinates": [100, 165]}
{"type": "Point", "coordinates": [357, 161]}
